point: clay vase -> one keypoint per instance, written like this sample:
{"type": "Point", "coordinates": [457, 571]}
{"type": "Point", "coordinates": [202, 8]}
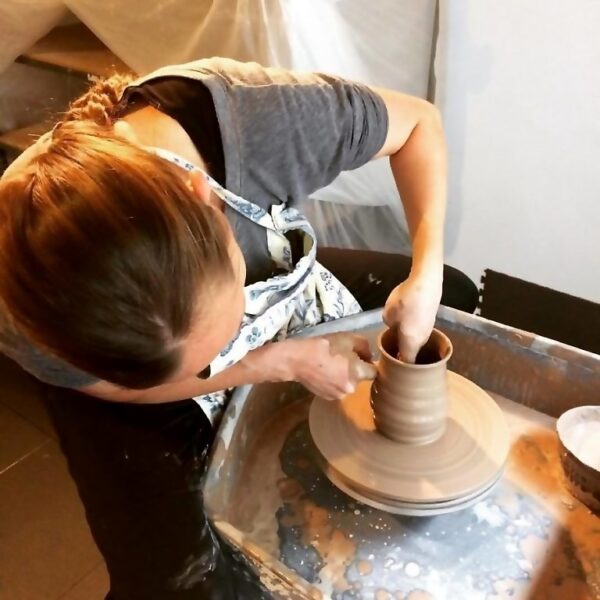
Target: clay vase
{"type": "Point", "coordinates": [410, 401]}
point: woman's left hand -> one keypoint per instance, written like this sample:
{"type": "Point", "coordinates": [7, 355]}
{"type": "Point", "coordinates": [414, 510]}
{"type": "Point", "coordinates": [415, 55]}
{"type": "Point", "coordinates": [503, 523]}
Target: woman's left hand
{"type": "Point", "coordinates": [411, 308]}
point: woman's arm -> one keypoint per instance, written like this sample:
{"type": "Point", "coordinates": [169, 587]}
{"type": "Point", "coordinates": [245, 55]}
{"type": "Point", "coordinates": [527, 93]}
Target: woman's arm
{"type": "Point", "coordinates": [328, 366]}
{"type": "Point", "coordinates": [416, 146]}
{"type": "Point", "coordinates": [239, 374]}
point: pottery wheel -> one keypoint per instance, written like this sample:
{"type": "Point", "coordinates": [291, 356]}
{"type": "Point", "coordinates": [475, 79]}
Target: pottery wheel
{"type": "Point", "coordinates": [451, 473]}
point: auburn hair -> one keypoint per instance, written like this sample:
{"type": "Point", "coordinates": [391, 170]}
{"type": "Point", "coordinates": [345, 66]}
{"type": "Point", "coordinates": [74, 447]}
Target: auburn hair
{"type": "Point", "coordinates": [106, 255]}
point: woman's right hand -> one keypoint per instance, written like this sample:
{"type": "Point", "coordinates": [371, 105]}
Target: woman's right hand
{"type": "Point", "coordinates": [329, 366]}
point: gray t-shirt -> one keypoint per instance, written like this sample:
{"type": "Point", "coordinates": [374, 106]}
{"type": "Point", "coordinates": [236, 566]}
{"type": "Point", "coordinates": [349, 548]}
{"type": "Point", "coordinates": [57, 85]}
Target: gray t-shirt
{"type": "Point", "coordinates": [284, 136]}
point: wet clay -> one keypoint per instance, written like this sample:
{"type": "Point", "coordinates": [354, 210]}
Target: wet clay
{"type": "Point", "coordinates": [419, 441]}
{"type": "Point", "coordinates": [410, 401]}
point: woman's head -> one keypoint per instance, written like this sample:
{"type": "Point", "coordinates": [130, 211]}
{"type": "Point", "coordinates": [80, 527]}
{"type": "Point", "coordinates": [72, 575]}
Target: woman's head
{"type": "Point", "coordinates": [110, 260]}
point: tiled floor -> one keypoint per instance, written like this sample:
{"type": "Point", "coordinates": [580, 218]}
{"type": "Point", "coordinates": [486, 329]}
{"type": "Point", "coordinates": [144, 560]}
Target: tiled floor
{"type": "Point", "coordinates": [46, 549]}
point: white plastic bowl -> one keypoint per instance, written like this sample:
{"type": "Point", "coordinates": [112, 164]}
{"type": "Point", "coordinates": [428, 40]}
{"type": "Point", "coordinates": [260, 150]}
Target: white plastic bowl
{"type": "Point", "coordinates": [579, 435]}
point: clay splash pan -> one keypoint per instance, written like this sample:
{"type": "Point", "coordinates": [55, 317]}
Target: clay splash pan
{"type": "Point", "coordinates": [268, 496]}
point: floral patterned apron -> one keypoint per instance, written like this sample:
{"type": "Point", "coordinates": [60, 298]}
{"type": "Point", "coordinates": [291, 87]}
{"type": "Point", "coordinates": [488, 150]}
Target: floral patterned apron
{"type": "Point", "coordinates": [305, 294]}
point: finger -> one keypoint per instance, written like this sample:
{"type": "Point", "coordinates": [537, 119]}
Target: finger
{"type": "Point", "coordinates": [389, 317]}
{"type": "Point", "coordinates": [361, 370]}
{"type": "Point", "coordinates": [349, 388]}
{"type": "Point", "coordinates": [362, 348]}
{"type": "Point", "coordinates": [339, 393]}
{"type": "Point", "coordinates": [339, 374]}
{"type": "Point", "coordinates": [340, 343]}
{"type": "Point", "coordinates": [328, 393]}
{"type": "Point", "coordinates": [408, 348]}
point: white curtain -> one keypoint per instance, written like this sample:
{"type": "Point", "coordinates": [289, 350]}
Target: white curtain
{"type": "Point", "coordinates": [380, 42]}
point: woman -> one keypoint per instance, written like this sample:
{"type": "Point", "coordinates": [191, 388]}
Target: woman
{"type": "Point", "coordinates": [131, 275]}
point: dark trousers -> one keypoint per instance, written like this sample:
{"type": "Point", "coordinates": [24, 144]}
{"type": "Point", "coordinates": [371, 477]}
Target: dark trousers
{"type": "Point", "coordinates": [138, 468]}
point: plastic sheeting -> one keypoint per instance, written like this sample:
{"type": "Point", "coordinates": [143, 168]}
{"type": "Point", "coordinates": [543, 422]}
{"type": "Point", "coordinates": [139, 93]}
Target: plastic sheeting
{"type": "Point", "coordinates": [23, 22]}
{"type": "Point", "coordinates": [386, 43]}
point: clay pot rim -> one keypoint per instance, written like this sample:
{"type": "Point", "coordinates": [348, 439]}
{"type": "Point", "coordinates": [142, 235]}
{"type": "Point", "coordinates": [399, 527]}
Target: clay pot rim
{"type": "Point", "coordinates": [394, 360]}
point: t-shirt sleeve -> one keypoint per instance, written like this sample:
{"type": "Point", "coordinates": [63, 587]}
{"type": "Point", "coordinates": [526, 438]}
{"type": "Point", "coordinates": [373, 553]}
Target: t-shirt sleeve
{"type": "Point", "coordinates": [287, 134]}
